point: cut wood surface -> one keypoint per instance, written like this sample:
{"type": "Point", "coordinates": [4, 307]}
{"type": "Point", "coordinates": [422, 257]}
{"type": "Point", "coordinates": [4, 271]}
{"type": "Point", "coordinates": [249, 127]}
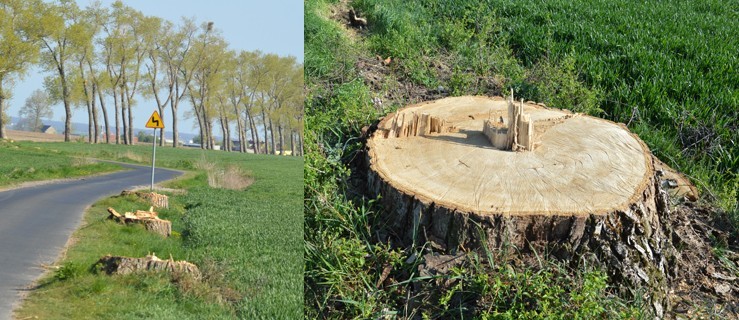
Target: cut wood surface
{"type": "Point", "coordinates": [157, 200]}
{"type": "Point", "coordinates": [580, 165]}
{"type": "Point", "coordinates": [149, 219]}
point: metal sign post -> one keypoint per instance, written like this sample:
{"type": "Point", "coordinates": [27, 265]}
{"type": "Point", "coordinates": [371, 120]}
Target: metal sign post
{"type": "Point", "coordinates": [153, 158]}
{"type": "Point", "coordinates": [155, 121]}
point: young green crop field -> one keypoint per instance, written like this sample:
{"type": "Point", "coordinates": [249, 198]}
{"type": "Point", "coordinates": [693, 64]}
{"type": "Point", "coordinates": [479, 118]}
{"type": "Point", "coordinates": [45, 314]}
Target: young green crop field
{"type": "Point", "coordinates": [248, 243]}
{"type": "Point", "coordinates": [666, 69]}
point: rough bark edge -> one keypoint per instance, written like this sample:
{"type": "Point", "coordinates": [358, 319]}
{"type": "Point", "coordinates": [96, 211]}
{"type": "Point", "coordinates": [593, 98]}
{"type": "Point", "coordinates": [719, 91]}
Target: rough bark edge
{"type": "Point", "coordinates": [156, 200]}
{"type": "Point", "coordinates": [631, 243]}
{"type": "Point", "coordinates": [151, 263]}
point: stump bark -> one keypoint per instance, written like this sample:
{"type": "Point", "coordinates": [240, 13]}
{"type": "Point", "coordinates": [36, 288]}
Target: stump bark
{"type": "Point", "coordinates": [127, 265]}
{"type": "Point", "coordinates": [149, 219]}
{"type": "Point", "coordinates": [582, 186]}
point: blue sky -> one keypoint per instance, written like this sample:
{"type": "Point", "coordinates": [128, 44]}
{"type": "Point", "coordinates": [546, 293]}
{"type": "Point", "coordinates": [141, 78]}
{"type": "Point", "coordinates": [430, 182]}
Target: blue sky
{"type": "Point", "coordinates": [269, 26]}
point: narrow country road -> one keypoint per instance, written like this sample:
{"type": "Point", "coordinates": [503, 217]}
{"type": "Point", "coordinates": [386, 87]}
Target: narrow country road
{"type": "Point", "coordinates": [35, 223]}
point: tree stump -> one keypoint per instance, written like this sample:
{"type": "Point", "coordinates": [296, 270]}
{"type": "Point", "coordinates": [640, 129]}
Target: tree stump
{"type": "Point", "coordinates": [156, 200]}
{"type": "Point", "coordinates": [578, 185]}
{"type": "Point", "coordinates": [149, 219]}
{"type": "Point", "coordinates": [126, 265]}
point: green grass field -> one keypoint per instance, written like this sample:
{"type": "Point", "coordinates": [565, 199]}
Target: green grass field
{"type": "Point", "coordinates": [23, 164]}
{"type": "Point", "coordinates": [248, 242]}
{"type": "Point", "coordinates": [668, 69]}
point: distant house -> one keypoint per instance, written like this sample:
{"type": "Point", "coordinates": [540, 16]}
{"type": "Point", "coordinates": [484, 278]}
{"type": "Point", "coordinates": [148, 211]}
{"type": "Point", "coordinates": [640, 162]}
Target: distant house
{"type": "Point", "coordinates": [48, 130]}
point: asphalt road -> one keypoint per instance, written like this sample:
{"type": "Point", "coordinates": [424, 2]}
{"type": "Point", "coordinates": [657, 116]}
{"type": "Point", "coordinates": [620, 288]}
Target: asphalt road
{"type": "Point", "coordinates": [36, 222]}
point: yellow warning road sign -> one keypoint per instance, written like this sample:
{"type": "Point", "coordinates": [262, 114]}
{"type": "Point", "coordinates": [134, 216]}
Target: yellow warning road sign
{"type": "Point", "coordinates": [155, 121]}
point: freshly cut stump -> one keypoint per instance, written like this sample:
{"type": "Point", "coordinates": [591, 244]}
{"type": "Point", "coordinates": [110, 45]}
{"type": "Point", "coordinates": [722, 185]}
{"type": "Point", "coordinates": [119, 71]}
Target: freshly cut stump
{"type": "Point", "coordinates": [126, 265]}
{"type": "Point", "coordinates": [156, 200]}
{"type": "Point", "coordinates": [576, 185]}
{"type": "Point", "coordinates": [149, 219]}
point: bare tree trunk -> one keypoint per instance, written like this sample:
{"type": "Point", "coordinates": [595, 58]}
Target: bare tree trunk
{"type": "Point", "coordinates": [292, 143]}
{"type": "Point", "coordinates": [105, 116]}
{"type": "Point", "coordinates": [95, 115]}
{"type": "Point", "coordinates": [161, 131]}
{"type": "Point", "coordinates": [3, 135]}
{"type": "Point", "coordinates": [67, 122]}
{"type": "Point", "coordinates": [130, 117]}
{"type": "Point", "coordinates": [239, 128]}
{"type": "Point", "coordinates": [282, 140]}
{"type": "Point", "coordinates": [272, 137]}
{"type": "Point", "coordinates": [264, 122]}
{"type": "Point", "coordinates": [67, 107]}
{"type": "Point", "coordinates": [226, 145]}
{"type": "Point", "coordinates": [87, 102]}
{"type": "Point", "coordinates": [200, 121]}
{"type": "Point", "coordinates": [123, 117]}
{"type": "Point", "coordinates": [300, 143]}
{"type": "Point", "coordinates": [117, 118]}
{"type": "Point", "coordinates": [175, 138]}
{"type": "Point", "coordinates": [227, 139]}
{"type": "Point", "coordinates": [242, 135]}
{"type": "Point", "coordinates": [209, 127]}
{"type": "Point", "coordinates": [249, 120]}
{"type": "Point", "coordinates": [255, 136]}
{"type": "Point", "coordinates": [89, 120]}
{"type": "Point", "coordinates": [97, 91]}
{"type": "Point", "coordinates": [130, 125]}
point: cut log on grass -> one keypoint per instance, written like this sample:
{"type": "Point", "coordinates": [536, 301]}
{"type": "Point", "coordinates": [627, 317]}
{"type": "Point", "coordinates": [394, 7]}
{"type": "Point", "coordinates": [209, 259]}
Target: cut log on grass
{"type": "Point", "coordinates": [532, 177]}
{"type": "Point", "coordinates": [148, 218]}
{"type": "Point", "coordinates": [156, 200]}
{"type": "Point", "coordinates": [126, 265]}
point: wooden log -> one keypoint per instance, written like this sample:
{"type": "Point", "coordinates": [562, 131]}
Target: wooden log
{"type": "Point", "coordinates": [588, 189]}
{"type": "Point", "coordinates": [151, 263]}
{"type": "Point", "coordinates": [149, 219]}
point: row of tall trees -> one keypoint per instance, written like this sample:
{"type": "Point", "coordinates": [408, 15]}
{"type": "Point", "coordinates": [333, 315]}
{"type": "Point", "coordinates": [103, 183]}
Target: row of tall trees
{"type": "Point", "coordinates": [99, 57]}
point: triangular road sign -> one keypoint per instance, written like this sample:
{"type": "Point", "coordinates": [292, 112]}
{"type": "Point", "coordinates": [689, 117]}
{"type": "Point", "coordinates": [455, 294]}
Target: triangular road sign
{"type": "Point", "coordinates": [155, 121]}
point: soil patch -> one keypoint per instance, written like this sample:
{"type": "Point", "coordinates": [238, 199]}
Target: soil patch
{"type": "Point", "coordinates": [36, 136]}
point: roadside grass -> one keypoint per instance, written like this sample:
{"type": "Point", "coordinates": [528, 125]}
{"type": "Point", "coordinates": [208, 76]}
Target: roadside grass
{"type": "Point", "coordinates": [20, 163]}
{"type": "Point", "coordinates": [247, 242]}
{"type": "Point", "coordinates": [76, 291]}
{"type": "Point", "coordinates": [625, 68]}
